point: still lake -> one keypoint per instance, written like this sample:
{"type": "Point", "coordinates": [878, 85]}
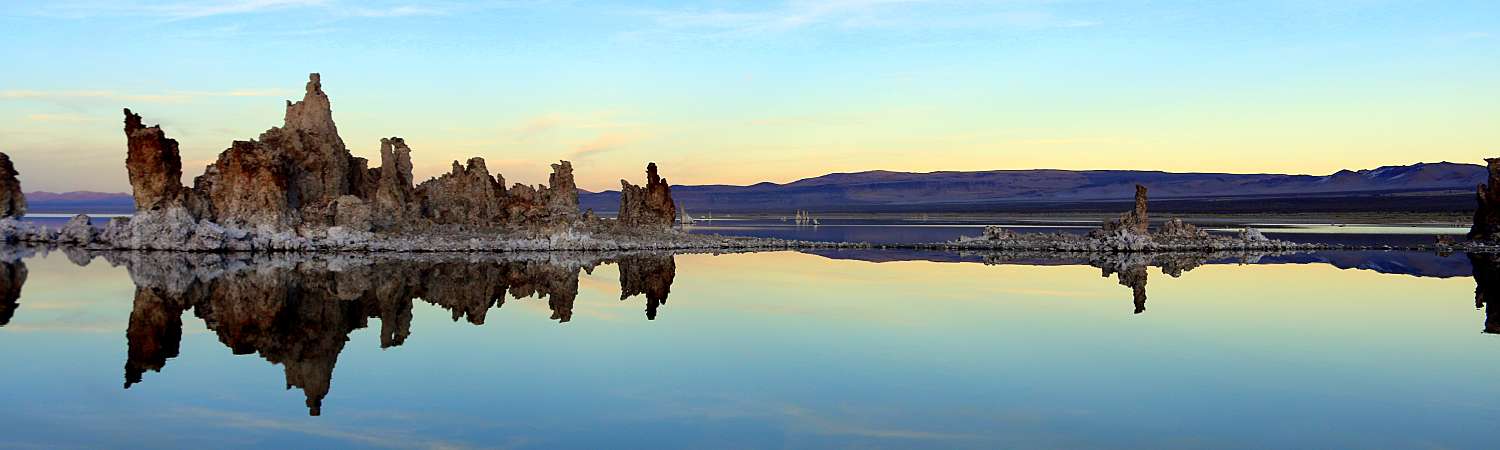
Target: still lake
{"type": "Point", "coordinates": [869, 348]}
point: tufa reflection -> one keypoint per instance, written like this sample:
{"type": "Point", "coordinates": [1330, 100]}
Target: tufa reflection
{"type": "Point", "coordinates": [298, 311]}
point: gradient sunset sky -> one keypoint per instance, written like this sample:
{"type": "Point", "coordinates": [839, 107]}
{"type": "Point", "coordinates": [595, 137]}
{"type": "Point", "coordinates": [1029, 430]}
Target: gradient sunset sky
{"type": "Point", "coordinates": [742, 92]}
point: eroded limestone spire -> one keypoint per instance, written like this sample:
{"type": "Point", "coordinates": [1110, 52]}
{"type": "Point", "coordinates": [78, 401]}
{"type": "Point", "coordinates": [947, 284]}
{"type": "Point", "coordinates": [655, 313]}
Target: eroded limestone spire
{"type": "Point", "coordinates": [314, 113]}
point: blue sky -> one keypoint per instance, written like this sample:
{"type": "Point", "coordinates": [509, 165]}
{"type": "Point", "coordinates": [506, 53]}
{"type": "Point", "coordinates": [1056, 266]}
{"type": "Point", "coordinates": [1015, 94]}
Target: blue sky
{"type": "Point", "coordinates": [740, 92]}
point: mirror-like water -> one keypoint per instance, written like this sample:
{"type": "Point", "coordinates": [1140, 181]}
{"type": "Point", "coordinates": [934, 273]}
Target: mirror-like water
{"type": "Point", "coordinates": [887, 231]}
{"type": "Point", "coordinates": [864, 348]}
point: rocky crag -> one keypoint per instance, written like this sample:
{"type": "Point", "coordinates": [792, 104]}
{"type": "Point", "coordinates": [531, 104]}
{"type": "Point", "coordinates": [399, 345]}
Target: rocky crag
{"type": "Point", "coordinates": [12, 200]}
{"type": "Point", "coordinates": [1487, 206]}
{"type": "Point", "coordinates": [298, 187]}
{"type": "Point", "coordinates": [647, 206]}
{"type": "Point", "coordinates": [1128, 233]}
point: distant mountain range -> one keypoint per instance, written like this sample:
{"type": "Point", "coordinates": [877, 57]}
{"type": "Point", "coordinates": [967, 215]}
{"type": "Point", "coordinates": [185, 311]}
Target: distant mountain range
{"type": "Point", "coordinates": [1419, 187]}
{"type": "Point", "coordinates": [1429, 187]}
{"type": "Point", "coordinates": [79, 202]}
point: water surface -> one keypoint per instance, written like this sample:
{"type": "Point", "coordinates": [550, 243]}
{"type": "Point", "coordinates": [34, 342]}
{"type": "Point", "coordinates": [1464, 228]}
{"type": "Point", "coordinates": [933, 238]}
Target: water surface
{"type": "Point", "coordinates": [868, 348]}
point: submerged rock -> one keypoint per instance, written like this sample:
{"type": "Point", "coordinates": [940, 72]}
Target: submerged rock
{"type": "Point", "coordinates": [12, 200]}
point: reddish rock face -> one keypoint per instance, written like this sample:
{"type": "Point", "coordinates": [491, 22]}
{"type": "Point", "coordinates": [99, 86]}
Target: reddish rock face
{"type": "Point", "coordinates": [650, 205]}
{"type": "Point", "coordinates": [12, 200]}
{"type": "Point", "coordinates": [250, 185]}
{"type": "Point", "coordinates": [1487, 212]}
{"type": "Point", "coordinates": [154, 165]}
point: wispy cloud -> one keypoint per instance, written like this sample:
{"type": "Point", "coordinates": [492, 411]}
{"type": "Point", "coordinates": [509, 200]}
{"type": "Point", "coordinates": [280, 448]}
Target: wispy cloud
{"type": "Point", "coordinates": [63, 118]}
{"type": "Point", "coordinates": [605, 142]}
{"type": "Point", "coordinates": [188, 10]}
{"type": "Point", "coordinates": [191, 10]}
{"type": "Point", "coordinates": [168, 97]}
{"type": "Point", "coordinates": [794, 15]}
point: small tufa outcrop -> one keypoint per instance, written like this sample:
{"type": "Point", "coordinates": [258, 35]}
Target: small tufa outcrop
{"type": "Point", "coordinates": [12, 200]}
{"type": "Point", "coordinates": [466, 195]}
{"type": "Point", "coordinates": [647, 206]}
{"type": "Point", "coordinates": [1177, 229]}
{"type": "Point", "coordinates": [1487, 212]}
{"type": "Point", "coordinates": [1129, 231]}
{"type": "Point", "coordinates": [79, 230]}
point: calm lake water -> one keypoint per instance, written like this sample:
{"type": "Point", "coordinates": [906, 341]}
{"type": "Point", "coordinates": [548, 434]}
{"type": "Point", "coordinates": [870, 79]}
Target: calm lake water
{"type": "Point", "coordinates": [883, 349]}
{"type": "Point", "coordinates": [887, 231]}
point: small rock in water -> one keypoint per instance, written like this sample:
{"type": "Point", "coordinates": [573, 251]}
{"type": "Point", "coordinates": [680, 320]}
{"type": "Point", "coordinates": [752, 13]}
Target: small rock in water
{"type": "Point", "coordinates": [78, 230]}
{"type": "Point", "coordinates": [1253, 235]}
{"type": "Point", "coordinates": [995, 233]}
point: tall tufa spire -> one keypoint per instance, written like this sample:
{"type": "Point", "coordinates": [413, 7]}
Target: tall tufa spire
{"type": "Point", "coordinates": [314, 113]}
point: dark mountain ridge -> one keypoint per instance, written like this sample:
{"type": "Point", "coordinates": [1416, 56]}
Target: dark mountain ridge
{"type": "Point", "coordinates": [1445, 184]}
{"type": "Point", "coordinates": [1425, 187]}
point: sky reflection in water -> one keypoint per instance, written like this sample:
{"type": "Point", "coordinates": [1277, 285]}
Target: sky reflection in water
{"type": "Point", "coordinates": [766, 350]}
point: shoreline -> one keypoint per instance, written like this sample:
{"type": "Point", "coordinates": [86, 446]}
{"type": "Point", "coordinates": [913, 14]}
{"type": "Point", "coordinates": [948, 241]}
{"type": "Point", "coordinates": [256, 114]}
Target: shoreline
{"type": "Point", "coordinates": [17, 234]}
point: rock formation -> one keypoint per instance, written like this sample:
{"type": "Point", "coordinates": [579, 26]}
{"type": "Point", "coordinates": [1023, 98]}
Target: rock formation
{"type": "Point", "coordinates": [12, 200]}
{"type": "Point", "coordinates": [1135, 221]}
{"type": "Point", "coordinates": [299, 182]}
{"type": "Point", "coordinates": [155, 168]}
{"type": "Point", "coordinates": [466, 195]}
{"type": "Point", "coordinates": [78, 230]}
{"type": "Point", "coordinates": [1176, 228]}
{"type": "Point", "coordinates": [395, 200]}
{"type": "Point", "coordinates": [1487, 212]}
{"type": "Point", "coordinates": [650, 205]}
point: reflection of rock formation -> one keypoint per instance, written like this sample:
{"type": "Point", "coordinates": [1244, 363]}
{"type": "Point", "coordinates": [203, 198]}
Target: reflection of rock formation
{"type": "Point", "coordinates": [298, 310]}
{"type": "Point", "coordinates": [1487, 288]}
{"type": "Point", "coordinates": [1130, 268]}
{"type": "Point", "coordinates": [12, 276]}
{"type": "Point", "coordinates": [648, 275]}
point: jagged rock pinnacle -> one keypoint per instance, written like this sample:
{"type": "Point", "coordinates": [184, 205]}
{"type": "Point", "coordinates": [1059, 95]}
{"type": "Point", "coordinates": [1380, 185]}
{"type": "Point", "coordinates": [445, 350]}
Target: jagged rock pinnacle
{"type": "Point", "coordinates": [12, 200]}
{"type": "Point", "coordinates": [649, 205]}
